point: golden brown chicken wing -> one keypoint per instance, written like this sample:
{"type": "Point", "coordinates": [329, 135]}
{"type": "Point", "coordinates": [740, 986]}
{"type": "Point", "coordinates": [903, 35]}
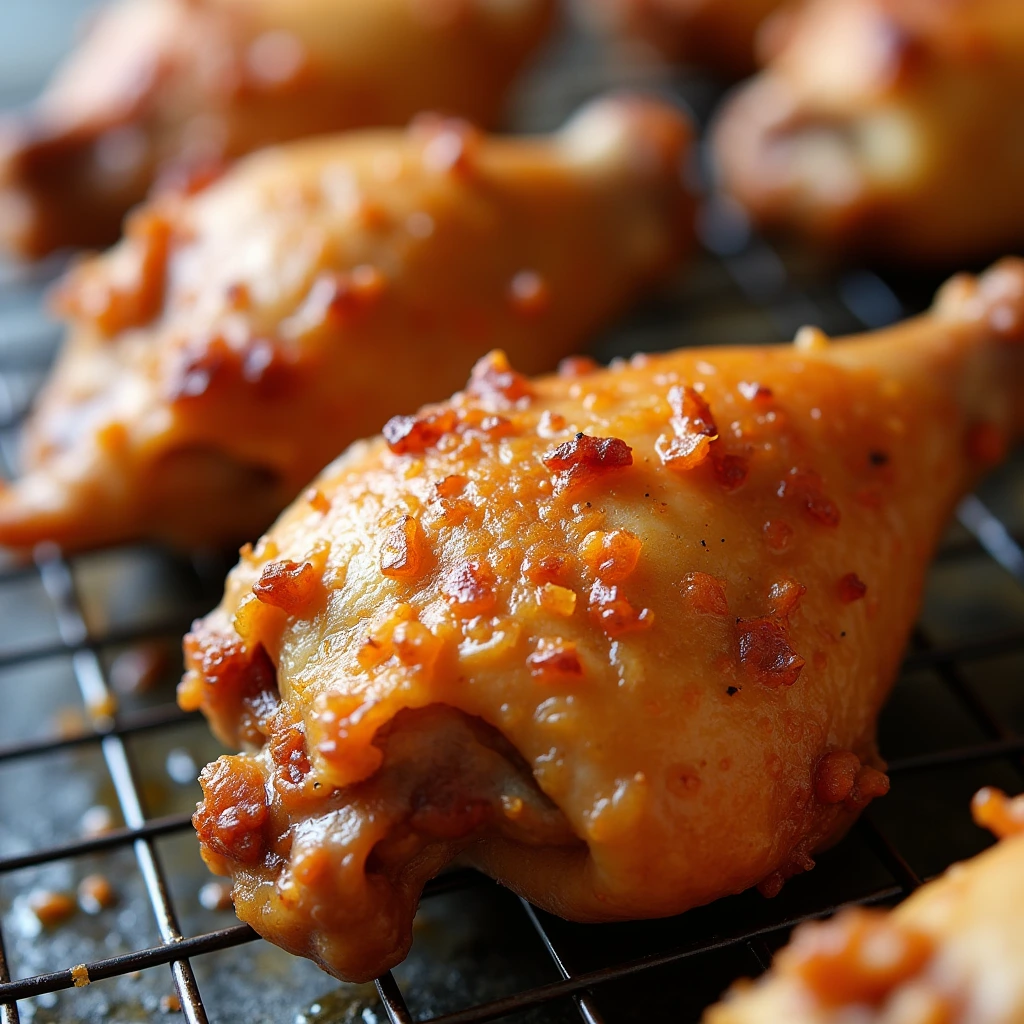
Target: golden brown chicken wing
{"type": "Point", "coordinates": [172, 88]}
{"type": "Point", "coordinates": [951, 954]}
{"type": "Point", "coordinates": [239, 338]}
{"type": "Point", "coordinates": [887, 126]}
{"type": "Point", "coordinates": [616, 637]}
{"type": "Point", "coordinates": [715, 34]}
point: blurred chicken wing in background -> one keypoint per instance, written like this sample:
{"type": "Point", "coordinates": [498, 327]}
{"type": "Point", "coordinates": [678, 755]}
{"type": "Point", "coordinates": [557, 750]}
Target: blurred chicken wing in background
{"type": "Point", "coordinates": [951, 954]}
{"type": "Point", "coordinates": [892, 128]}
{"type": "Point", "coordinates": [239, 338]}
{"type": "Point", "coordinates": [169, 90]}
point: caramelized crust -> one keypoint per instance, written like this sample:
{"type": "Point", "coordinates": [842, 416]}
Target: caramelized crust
{"type": "Point", "coordinates": [886, 126]}
{"type": "Point", "coordinates": [716, 34]}
{"type": "Point", "coordinates": [238, 339]}
{"type": "Point", "coordinates": [698, 703]}
{"type": "Point", "coordinates": [169, 90]}
{"type": "Point", "coordinates": [953, 953]}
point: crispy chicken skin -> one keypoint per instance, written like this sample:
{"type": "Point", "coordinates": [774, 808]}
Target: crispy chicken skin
{"type": "Point", "coordinates": [239, 338]}
{"type": "Point", "coordinates": [616, 637]}
{"type": "Point", "coordinates": [891, 127]}
{"type": "Point", "coordinates": [716, 34]}
{"type": "Point", "coordinates": [172, 88]}
{"type": "Point", "coordinates": [951, 954]}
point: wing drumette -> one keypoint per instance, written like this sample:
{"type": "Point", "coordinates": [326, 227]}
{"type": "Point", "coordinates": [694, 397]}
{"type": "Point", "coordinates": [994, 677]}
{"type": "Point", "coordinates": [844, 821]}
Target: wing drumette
{"type": "Point", "coordinates": [617, 637]}
{"type": "Point", "coordinates": [172, 88]}
{"type": "Point", "coordinates": [887, 126]}
{"type": "Point", "coordinates": [239, 338]}
{"type": "Point", "coordinates": [951, 954]}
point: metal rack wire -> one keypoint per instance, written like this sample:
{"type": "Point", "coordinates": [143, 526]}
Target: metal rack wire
{"type": "Point", "coordinates": [604, 973]}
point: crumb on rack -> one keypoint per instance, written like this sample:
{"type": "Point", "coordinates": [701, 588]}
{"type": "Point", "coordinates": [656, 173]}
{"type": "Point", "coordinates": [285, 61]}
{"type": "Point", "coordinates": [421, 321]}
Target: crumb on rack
{"type": "Point", "coordinates": [95, 893]}
{"type": "Point", "coordinates": [51, 908]}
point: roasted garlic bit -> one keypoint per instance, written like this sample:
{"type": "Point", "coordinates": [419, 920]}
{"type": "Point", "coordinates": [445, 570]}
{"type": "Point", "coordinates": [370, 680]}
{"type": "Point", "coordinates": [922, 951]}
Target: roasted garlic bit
{"type": "Point", "coordinates": [584, 458]}
{"type": "Point", "coordinates": [705, 593]}
{"type": "Point", "coordinates": [240, 337]}
{"type": "Point", "coordinates": [1001, 815]}
{"type": "Point", "coordinates": [403, 549]}
{"type": "Point", "coordinates": [627, 658]}
{"type": "Point", "coordinates": [555, 657]}
{"type": "Point", "coordinates": [287, 585]}
{"type": "Point", "coordinates": [694, 430]}
{"type": "Point", "coordinates": [611, 555]}
{"type": "Point", "coordinates": [493, 376]}
{"type": "Point", "coordinates": [470, 588]}
{"type": "Point", "coordinates": [765, 652]}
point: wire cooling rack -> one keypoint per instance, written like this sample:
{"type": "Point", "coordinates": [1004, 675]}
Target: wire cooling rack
{"type": "Point", "coordinates": [956, 721]}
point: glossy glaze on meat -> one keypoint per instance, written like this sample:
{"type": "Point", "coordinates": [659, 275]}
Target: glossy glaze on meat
{"type": "Point", "coordinates": [168, 90]}
{"type": "Point", "coordinates": [679, 589]}
{"type": "Point", "coordinates": [239, 338]}
{"type": "Point", "coordinates": [886, 126]}
{"type": "Point", "coordinates": [953, 953]}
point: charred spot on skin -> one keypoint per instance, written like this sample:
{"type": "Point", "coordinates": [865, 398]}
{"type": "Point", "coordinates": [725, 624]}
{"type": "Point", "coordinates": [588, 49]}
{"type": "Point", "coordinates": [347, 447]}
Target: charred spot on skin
{"type": "Point", "coordinates": [765, 653]}
{"type": "Point", "coordinates": [528, 294]}
{"type": "Point", "coordinates": [470, 588]}
{"type": "Point", "coordinates": [614, 613]}
{"type": "Point", "coordinates": [807, 488]}
{"type": "Point", "coordinates": [731, 691]}
{"type": "Point", "coordinates": [705, 593]}
{"type": "Point", "coordinates": [694, 428]}
{"type": "Point", "coordinates": [232, 815]}
{"type": "Point", "coordinates": [859, 957]}
{"type": "Point", "coordinates": [493, 376]}
{"type": "Point", "coordinates": [878, 458]}
{"type": "Point", "coordinates": [555, 657]}
{"type": "Point", "coordinates": [574, 367]}
{"type": "Point", "coordinates": [403, 549]}
{"type": "Point", "coordinates": [1001, 815]}
{"type": "Point", "coordinates": [851, 588]}
{"type": "Point", "coordinates": [416, 434]}
{"type": "Point", "coordinates": [584, 458]}
{"type": "Point", "coordinates": [287, 585]}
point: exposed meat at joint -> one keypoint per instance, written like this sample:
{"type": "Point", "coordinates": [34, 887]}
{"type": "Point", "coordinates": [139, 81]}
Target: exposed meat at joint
{"type": "Point", "coordinates": [469, 587]}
